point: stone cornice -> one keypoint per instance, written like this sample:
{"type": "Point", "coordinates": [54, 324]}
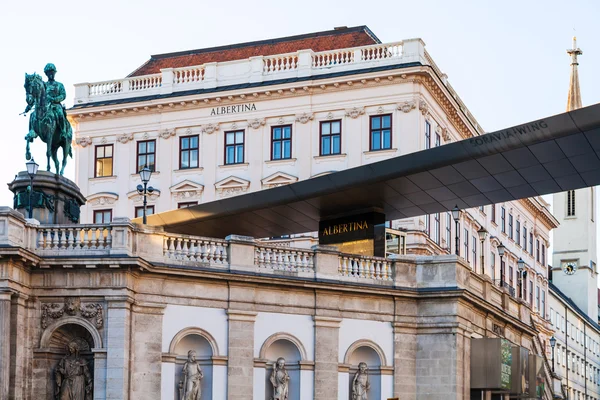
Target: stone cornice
{"type": "Point", "coordinates": [242, 315]}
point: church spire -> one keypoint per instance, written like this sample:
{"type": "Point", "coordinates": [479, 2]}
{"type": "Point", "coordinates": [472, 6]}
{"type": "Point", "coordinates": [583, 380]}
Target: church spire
{"type": "Point", "coordinates": [574, 100]}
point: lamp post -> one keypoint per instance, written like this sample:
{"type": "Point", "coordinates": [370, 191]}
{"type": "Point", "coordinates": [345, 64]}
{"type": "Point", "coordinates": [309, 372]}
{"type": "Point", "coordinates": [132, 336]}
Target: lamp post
{"type": "Point", "coordinates": [145, 175]}
{"type": "Point", "coordinates": [521, 267]}
{"type": "Point", "coordinates": [32, 168]}
{"type": "Point", "coordinates": [482, 235]}
{"type": "Point", "coordinates": [501, 250]}
{"type": "Point", "coordinates": [456, 216]}
{"type": "Point", "coordinates": [552, 344]}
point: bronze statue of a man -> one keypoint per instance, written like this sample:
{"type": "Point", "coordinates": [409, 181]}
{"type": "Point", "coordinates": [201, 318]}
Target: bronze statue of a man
{"type": "Point", "coordinates": [55, 94]}
{"type": "Point", "coordinates": [73, 379]}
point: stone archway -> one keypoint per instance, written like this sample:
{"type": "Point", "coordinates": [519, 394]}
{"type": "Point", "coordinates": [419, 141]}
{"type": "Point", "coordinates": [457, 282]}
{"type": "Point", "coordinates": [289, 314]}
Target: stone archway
{"type": "Point", "coordinates": [370, 353]}
{"type": "Point", "coordinates": [289, 347]}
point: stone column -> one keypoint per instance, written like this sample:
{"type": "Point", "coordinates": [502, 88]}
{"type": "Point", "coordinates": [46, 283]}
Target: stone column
{"type": "Point", "coordinates": [240, 371]}
{"type": "Point", "coordinates": [19, 348]}
{"type": "Point", "coordinates": [405, 351]}
{"type": "Point", "coordinates": [4, 344]}
{"type": "Point", "coordinates": [146, 355]}
{"type": "Point", "coordinates": [118, 340]}
{"type": "Point", "coordinates": [327, 331]}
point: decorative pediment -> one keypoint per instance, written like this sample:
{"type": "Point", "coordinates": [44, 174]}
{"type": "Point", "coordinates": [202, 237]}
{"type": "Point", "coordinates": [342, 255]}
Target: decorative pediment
{"type": "Point", "coordinates": [278, 179]}
{"type": "Point", "coordinates": [187, 190]}
{"type": "Point", "coordinates": [231, 186]}
{"type": "Point", "coordinates": [102, 198]}
{"type": "Point", "coordinates": [138, 198]}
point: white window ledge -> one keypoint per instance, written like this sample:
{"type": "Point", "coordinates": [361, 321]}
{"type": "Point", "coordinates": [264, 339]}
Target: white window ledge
{"type": "Point", "coordinates": [103, 178]}
{"type": "Point", "coordinates": [284, 161]}
{"type": "Point", "coordinates": [183, 170]}
{"type": "Point", "coordinates": [153, 173]}
{"type": "Point", "coordinates": [334, 157]}
{"type": "Point", "coordinates": [233, 166]}
{"type": "Point", "coordinates": [377, 153]}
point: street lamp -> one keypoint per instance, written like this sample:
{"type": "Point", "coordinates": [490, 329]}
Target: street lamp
{"type": "Point", "coordinates": [456, 216]}
{"type": "Point", "coordinates": [521, 267]}
{"type": "Point", "coordinates": [501, 250]}
{"type": "Point", "coordinates": [552, 344]}
{"type": "Point", "coordinates": [482, 235]}
{"type": "Point", "coordinates": [145, 175]}
{"type": "Point", "coordinates": [32, 168]}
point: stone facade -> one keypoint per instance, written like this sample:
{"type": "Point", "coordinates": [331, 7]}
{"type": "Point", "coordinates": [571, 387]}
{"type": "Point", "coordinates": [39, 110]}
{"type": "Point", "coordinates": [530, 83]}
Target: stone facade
{"type": "Point", "coordinates": [412, 326]}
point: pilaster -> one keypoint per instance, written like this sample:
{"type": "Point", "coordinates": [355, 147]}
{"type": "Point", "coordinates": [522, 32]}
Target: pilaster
{"type": "Point", "coordinates": [146, 355]}
{"type": "Point", "coordinates": [118, 335]}
{"type": "Point", "coordinates": [4, 344]}
{"type": "Point", "coordinates": [19, 349]}
{"type": "Point", "coordinates": [405, 351]}
{"type": "Point", "coordinates": [327, 331]}
{"type": "Point", "coordinates": [240, 374]}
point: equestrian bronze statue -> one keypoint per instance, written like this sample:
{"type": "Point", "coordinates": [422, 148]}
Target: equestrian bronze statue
{"type": "Point", "coordinates": [48, 121]}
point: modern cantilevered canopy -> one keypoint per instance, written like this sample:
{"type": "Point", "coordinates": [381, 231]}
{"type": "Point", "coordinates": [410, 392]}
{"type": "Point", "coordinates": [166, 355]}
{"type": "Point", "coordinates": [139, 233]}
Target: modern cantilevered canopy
{"type": "Point", "coordinates": [550, 155]}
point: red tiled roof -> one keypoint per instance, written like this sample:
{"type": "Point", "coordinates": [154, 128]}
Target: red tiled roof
{"type": "Point", "coordinates": [338, 38]}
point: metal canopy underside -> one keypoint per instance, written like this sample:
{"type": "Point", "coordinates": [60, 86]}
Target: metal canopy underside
{"type": "Point", "coordinates": [546, 156]}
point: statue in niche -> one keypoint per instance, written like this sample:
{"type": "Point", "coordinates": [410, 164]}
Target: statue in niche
{"type": "Point", "coordinates": [190, 385]}
{"type": "Point", "coordinates": [360, 383]}
{"type": "Point", "coordinates": [73, 378]}
{"type": "Point", "coordinates": [280, 380]}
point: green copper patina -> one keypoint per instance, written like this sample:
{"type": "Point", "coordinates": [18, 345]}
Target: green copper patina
{"type": "Point", "coordinates": [48, 121]}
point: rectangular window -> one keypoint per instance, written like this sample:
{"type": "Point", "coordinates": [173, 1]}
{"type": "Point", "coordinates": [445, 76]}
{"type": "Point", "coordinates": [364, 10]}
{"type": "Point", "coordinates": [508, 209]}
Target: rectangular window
{"type": "Point", "coordinates": [518, 233]}
{"type": "Point", "coordinates": [449, 232]}
{"type": "Point", "coordinates": [146, 155]}
{"type": "Point", "coordinates": [493, 208]}
{"type": "Point", "coordinates": [524, 283]}
{"type": "Point", "coordinates": [102, 216]}
{"type": "Point", "coordinates": [510, 226]}
{"type": "Point", "coordinates": [543, 308]}
{"type": "Point", "coordinates": [466, 244]}
{"type": "Point", "coordinates": [537, 250]}
{"type": "Point", "coordinates": [570, 203]}
{"type": "Point", "coordinates": [187, 204]}
{"type": "Point", "coordinates": [436, 228]}
{"type": "Point", "coordinates": [493, 265]}
{"type": "Point", "coordinates": [234, 147]}
{"type": "Point", "coordinates": [281, 142]}
{"type": "Point", "coordinates": [427, 225]}
{"type": "Point", "coordinates": [531, 292]}
{"type": "Point", "coordinates": [503, 219]}
{"type": "Point", "coordinates": [104, 161]}
{"type": "Point", "coordinates": [380, 132]}
{"type": "Point", "coordinates": [188, 152]}
{"type": "Point", "coordinates": [139, 211]}
{"type": "Point", "coordinates": [331, 138]}
{"type": "Point", "coordinates": [474, 250]}
{"type": "Point", "coordinates": [510, 276]}
{"type": "Point", "coordinates": [427, 135]}
{"type": "Point", "coordinates": [531, 243]}
{"type": "Point", "coordinates": [438, 140]}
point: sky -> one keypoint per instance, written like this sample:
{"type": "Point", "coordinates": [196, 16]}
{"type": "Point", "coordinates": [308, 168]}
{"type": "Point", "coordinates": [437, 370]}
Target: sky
{"type": "Point", "coordinates": [506, 59]}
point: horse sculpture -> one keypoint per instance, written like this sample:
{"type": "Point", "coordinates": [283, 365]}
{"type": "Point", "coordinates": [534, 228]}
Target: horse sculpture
{"type": "Point", "coordinates": [44, 123]}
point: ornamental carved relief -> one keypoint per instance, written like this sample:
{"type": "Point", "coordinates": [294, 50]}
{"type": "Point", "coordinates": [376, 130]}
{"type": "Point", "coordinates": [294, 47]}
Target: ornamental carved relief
{"type": "Point", "coordinates": [100, 201]}
{"type": "Point", "coordinates": [423, 107]}
{"type": "Point", "coordinates": [124, 138]}
{"type": "Point", "coordinates": [256, 123]}
{"type": "Point", "coordinates": [187, 194]}
{"type": "Point", "coordinates": [407, 106]}
{"type": "Point", "coordinates": [84, 141]}
{"type": "Point", "coordinates": [329, 116]}
{"type": "Point", "coordinates": [210, 128]}
{"type": "Point", "coordinates": [137, 198]}
{"type": "Point", "coordinates": [166, 133]}
{"type": "Point", "coordinates": [380, 110]}
{"type": "Point", "coordinates": [72, 306]}
{"type": "Point", "coordinates": [228, 192]}
{"type": "Point", "coordinates": [304, 117]}
{"type": "Point", "coordinates": [355, 112]}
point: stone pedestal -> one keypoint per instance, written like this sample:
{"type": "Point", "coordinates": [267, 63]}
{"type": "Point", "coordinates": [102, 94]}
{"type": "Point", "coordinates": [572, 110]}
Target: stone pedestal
{"type": "Point", "coordinates": [55, 199]}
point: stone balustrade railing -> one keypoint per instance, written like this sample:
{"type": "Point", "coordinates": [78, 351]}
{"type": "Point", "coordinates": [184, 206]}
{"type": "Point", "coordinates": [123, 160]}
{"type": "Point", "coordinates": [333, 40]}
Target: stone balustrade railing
{"type": "Point", "coordinates": [376, 268]}
{"type": "Point", "coordinates": [194, 249]}
{"type": "Point", "coordinates": [73, 238]}
{"type": "Point", "coordinates": [283, 259]}
{"type": "Point", "coordinates": [302, 63]}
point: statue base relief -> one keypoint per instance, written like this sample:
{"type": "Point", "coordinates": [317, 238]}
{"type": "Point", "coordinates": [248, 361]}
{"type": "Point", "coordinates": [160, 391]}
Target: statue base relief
{"type": "Point", "coordinates": [55, 199]}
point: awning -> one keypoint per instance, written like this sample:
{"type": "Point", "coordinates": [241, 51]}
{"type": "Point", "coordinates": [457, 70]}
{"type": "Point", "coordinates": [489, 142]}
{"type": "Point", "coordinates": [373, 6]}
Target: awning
{"type": "Point", "coordinates": [545, 156]}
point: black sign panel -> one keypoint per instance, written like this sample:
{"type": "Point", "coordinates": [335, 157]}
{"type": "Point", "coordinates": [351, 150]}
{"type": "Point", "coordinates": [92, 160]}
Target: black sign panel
{"type": "Point", "coordinates": [350, 228]}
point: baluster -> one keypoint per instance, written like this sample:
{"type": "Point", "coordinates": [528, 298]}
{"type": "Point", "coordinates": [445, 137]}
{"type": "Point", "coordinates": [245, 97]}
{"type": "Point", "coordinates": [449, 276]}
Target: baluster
{"type": "Point", "coordinates": [177, 255]}
{"type": "Point", "coordinates": [378, 270]}
{"type": "Point", "coordinates": [62, 238]}
{"type": "Point", "coordinates": [371, 270]}
{"type": "Point", "coordinates": [209, 252]}
{"type": "Point", "coordinates": [70, 238]}
{"type": "Point", "coordinates": [286, 260]}
{"type": "Point", "coordinates": [341, 265]}
{"type": "Point", "coordinates": [218, 253]}
{"type": "Point", "coordinates": [40, 238]}
{"type": "Point", "coordinates": [270, 259]}
{"type": "Point", "coordinates": [93, 238]}
{"type": "Point", "coordinates": [261, 257]}
{"type": "Point", "coordinates": [202, 251]}
{"type": "Point", "coordinates": [193, 250]}
{"type": "Point", "coordinates": [84, 243]}
{"type": "Point", "coordinates": [310, 260]}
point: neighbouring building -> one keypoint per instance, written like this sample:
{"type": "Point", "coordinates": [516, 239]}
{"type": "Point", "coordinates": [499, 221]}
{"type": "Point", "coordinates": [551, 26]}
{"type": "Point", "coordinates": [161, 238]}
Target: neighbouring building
{"type": "Point", "coordinates": [574, 287]}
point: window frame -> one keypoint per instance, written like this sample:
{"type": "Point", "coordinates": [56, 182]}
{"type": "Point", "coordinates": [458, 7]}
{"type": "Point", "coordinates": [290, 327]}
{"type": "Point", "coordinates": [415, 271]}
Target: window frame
{"type": "Point", "coordinates": [282, 140]}
{"type": "Point", "coordinates": [141, 208]}
{"type": "Point", "coordinates": [503, 219]}
{"type": "Point", "coordinates": [234, 144]}
{"type": "Point", "coordinates": [511, 232]}
{"type": "Point", "coordinates": [466, 244]}
{"type": "Point", "coordinates": [186, 204]}
{"type": "Point", "coordinates": [381, 129]}
{"type": "Point", "coordinates": [437, 234]}
{"type": "Point", "coordinates": [137, 156]}
{"type": "Point", "coordinates": [518, 232]}
{"type": "Point", "coordinates": [112, 164]}
{"type": "Point", "coordinates": [330, 135]}
{"type": "Point", "coordinates": [493, 212]}
{"type": "Point", "coordinates": [188, 150]}
{"type": "Point", "coordinates": [96, 212]}
{"type": "Point", "coordinates": [427, 135]}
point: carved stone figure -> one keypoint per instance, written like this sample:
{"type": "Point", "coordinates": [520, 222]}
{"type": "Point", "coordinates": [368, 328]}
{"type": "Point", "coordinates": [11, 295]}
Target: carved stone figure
{"type": "Point", "coordinates": [280, 380]}
{"type": "Point", "coordinates": [190, 385]}
{"type": "Point", "coordinates": [49, 118]}
{"type": "Point", "coordinates": [73, 378]}
{"type": "Point", "coordinates": [360, 383]}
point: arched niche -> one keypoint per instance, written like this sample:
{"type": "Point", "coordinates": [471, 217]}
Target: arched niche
{"type": "Point", "coordinates": [370, 353]}
{"type": "Point", "coordinates": [205, 346]}
{"type": "Point", "coordinates": [292, 350]}
{"type": "Point", "coordinates": [53, 347]}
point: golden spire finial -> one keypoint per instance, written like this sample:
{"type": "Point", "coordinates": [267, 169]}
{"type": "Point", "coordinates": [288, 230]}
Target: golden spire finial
{"type": "Point", "coordinates": [574, 99]}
